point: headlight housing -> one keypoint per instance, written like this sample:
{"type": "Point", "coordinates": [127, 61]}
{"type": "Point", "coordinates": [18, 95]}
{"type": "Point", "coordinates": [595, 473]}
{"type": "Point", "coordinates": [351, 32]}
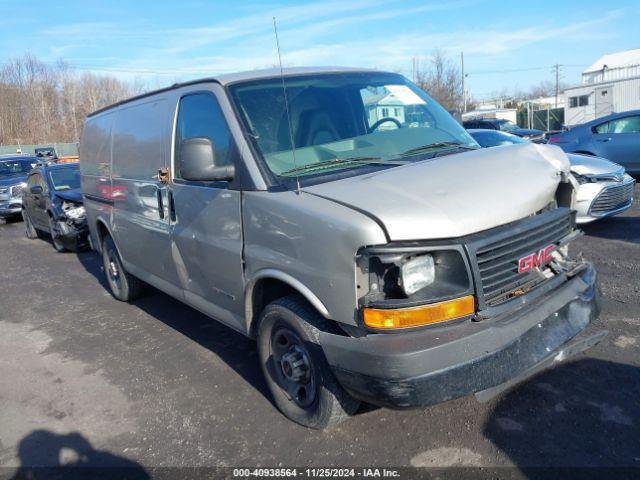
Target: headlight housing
{"type": "Point", "coordinates": [73, 211]}
{"type": "Point", "coordinates": [400, 276]}
{"type": "Point", "coordinates": [16, 190]}
{"type": "Point", "coordinates": [582, 179]}
{"type": "Point", "coordinates": [417, 273]}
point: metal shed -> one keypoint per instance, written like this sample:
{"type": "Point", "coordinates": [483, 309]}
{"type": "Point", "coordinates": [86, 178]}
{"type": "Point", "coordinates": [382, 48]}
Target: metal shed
{"type": "Point", "coordinates": [612, 84]}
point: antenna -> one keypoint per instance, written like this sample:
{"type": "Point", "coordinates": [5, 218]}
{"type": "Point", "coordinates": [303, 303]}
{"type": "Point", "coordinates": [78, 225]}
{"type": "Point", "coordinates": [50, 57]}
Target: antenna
{"type": "Point", "coordinates": [286, 106]}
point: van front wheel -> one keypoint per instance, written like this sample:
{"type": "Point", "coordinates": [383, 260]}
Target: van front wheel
{"type": "Point", "coordinates": [124, 286]}
{"type": "Point", "coordinates": [296, 370]}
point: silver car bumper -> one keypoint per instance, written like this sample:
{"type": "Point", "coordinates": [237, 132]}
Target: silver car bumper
{"type": "Point", "coordinates": [604, 199]}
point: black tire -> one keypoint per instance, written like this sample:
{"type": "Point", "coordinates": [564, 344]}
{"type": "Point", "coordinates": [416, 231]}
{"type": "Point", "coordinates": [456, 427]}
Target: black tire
{"type": "Point", "coordinates": [30, 231]}
{"type": "Point", "coordinates": [55, 234]}
{"type": "Point", "coordinates": [319, 401]}
{"type": "Point", "coordinates": [124, 286]}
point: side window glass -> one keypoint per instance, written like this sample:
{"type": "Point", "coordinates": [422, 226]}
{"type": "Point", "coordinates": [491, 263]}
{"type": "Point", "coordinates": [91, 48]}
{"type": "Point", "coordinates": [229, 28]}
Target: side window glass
{"type": "Point", "coordinates": [625, 125]}
{"type": "Point", "coordinates": [31, 181]}
{"type": "Point", "coordinates": [602, 128]}
{"type": "Point", "coordinates": [200, 115]}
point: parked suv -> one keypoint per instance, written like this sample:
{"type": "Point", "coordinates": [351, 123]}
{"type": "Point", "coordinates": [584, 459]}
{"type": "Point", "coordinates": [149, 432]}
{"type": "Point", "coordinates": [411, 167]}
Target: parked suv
{"type": "Point", "coordinates": [52, 203]}
{"type": "Point", "coordinates": [13, 176]}
{"type": "Point", "coordinates": [375, 255]}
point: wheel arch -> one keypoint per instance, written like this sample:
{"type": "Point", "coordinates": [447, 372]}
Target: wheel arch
{"type": "Point", "coordinates": [269, 285]}
{"type": "Point", "coordinates": [102, 230]}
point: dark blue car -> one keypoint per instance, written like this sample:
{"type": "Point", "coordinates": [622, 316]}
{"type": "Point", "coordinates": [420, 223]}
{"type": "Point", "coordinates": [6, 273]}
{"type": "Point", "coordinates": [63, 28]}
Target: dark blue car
{"type": "Point", "coordinates": [615, 137]}
{"type": "Point", "coordinates": [52, 203]}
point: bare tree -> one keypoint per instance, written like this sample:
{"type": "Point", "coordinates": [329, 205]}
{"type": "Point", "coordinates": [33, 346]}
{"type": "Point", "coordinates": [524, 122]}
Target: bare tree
{"type": "Point", "coordinates": [43, 103]}
{"type": "Point", "coordinates": [442, 80]}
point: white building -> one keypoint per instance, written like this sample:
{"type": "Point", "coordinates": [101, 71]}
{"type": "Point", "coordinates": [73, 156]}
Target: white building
{"type": "Point", "coordinates": [386, 105]}
{"type": "Point", "coordinates": [612, 84]}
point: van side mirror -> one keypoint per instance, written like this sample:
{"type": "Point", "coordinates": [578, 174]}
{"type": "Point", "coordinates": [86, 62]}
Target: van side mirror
{"type": "Point", "coordinates": [36, 190]}
{"type": "Point", "coordinates": [198, 162]}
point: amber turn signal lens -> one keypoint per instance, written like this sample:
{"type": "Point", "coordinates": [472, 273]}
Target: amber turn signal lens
{"type": "Point", "coordinates": [422, 315]}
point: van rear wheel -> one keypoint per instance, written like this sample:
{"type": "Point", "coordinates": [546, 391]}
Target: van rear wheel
{"type": "Point", "coordinates": [124, 286]}
{"type": "Point", "coordinates": [295, 368]}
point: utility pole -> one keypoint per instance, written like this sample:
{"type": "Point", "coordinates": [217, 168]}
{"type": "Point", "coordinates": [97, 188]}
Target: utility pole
{"type": "Point", "coordinates": [413, 62]}
{"type": "Point", "coordinates": [556, 67]}
{"type": "Point", "coordinates": [464, 93]}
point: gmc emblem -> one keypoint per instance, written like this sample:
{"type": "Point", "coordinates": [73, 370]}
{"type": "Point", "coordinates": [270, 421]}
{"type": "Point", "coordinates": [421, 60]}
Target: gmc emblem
{"type": "Point", "coordinates": [536, 259]}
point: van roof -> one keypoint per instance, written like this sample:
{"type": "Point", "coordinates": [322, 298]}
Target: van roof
{"type": "Point", "coordinates": [229, 78]}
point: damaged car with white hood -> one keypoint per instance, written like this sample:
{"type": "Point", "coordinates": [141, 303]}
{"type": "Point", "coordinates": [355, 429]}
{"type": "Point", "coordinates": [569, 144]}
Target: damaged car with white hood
{"type": "Point", "coordinates": [52, 204]}
{"type": "Point", "coordinates": [343, 219]}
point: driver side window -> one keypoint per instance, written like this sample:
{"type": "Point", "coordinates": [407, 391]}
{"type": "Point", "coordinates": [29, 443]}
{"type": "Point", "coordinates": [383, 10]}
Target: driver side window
{"type": "Point", "coordinates": [200, 115]}
{"type": "Point", "coordinates": [36, 179]}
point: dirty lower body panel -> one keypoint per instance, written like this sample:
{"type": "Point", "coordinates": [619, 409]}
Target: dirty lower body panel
{"type": "Point", "coordinates": [73, 233]}
{"type": "Point", "coordinates": [439, 364]}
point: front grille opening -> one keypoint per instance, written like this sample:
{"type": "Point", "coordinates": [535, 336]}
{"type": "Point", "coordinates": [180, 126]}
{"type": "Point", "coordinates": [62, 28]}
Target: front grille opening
{"type": "Point", "coordinates": [497, 259]}
{"type": "Point", "coordinates": [613, 198]}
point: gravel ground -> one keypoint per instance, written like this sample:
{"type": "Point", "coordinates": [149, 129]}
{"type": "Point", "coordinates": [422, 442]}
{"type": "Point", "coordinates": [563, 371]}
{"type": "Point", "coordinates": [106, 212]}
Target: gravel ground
{"type": "Point", "coordinates": [87, 379]}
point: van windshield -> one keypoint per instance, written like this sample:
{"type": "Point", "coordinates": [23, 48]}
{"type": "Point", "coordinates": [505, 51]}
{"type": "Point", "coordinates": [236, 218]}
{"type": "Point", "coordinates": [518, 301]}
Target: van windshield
{"type": "Point", "coordinates": [344, 121]}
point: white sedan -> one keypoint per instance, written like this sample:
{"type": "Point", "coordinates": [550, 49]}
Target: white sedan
{"type": "Point", "coordinates": [605, 188]}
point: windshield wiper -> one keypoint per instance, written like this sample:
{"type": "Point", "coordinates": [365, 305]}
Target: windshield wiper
{"type": "Point", "coordinates": [435, 146]}
{"type": "Point", "coordinates": [337, 162]}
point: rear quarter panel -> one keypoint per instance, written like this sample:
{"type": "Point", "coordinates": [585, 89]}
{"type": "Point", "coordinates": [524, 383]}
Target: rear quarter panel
{"type": "Point", "coordinates": [95, 171]}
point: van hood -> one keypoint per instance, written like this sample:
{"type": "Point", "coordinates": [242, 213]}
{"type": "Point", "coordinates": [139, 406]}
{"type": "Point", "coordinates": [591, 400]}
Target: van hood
{"type": "Point", "coordinates": [454, 195]}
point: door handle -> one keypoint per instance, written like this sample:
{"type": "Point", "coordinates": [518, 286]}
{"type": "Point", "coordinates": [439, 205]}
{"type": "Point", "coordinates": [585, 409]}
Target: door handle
{"type": "Point", "coordinates": [604, 139]}
{"type": "Point", "coordinates": [160, 203]}
{"type": "Point", "coordinates": [172, 207]}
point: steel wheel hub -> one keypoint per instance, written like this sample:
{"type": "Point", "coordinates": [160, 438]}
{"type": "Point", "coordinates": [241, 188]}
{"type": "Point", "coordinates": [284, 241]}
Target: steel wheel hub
{"type": "Point", "coordinates": [295, 365]}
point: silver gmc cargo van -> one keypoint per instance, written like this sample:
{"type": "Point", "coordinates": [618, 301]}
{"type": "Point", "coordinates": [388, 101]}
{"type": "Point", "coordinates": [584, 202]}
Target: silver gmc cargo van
{"type": "Point", "coordinates": [347, 222]}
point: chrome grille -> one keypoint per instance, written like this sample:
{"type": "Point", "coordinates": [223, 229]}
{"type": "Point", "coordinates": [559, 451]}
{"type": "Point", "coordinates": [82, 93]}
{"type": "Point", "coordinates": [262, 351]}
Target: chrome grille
{"type": "Point", "coordinates": [498, 252]}
{"type": "Point", "coordinates": [612, 198]}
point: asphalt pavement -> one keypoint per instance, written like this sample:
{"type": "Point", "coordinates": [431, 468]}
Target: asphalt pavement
{"type": "Point", "coordinates": [86, 379]}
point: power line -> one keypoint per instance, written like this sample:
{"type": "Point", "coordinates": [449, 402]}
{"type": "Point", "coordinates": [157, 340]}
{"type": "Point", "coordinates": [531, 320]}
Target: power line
{"type": "Point", "coordinates": [515, 70]}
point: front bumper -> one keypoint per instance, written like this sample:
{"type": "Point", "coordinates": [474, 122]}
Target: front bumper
{"type": "Point", "coordinates": [73, 235]}
{"type": "Point", "coordinates": [604, 199]}
{"type": "Point", "coordinates": [9, 208]}
{"type": "Point", "coordinates": [439, 364]}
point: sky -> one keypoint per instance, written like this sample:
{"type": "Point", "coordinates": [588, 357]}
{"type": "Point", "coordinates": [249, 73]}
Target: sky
{"type": "Point", "coordinates": [506, 44]}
